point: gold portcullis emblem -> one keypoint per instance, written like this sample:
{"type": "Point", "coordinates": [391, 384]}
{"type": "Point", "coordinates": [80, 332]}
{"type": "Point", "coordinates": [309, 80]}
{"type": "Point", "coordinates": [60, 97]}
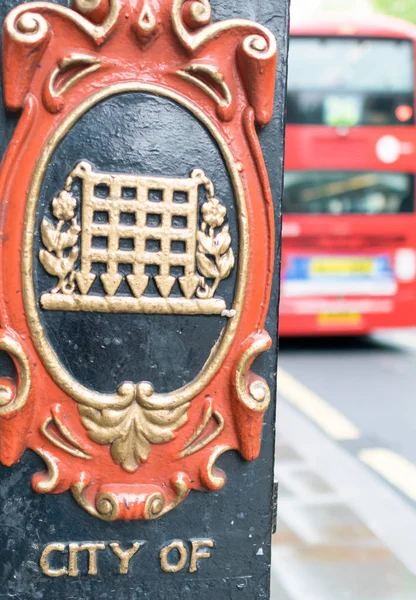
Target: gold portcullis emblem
{"type": "Point", "coordinates": [139, 221]}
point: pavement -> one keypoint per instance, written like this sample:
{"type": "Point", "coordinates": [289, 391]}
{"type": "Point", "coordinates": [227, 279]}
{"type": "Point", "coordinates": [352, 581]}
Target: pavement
{"type": "Point", "coordinates": [346, 466]}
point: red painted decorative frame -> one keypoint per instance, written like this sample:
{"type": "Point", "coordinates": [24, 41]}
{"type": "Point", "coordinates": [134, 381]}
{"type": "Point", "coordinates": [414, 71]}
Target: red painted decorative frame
{"type": "Point", "coordinates": [54, 58]}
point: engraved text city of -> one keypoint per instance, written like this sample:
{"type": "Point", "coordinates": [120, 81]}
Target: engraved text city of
{"type": "Point", "coordinates": [60, 559]}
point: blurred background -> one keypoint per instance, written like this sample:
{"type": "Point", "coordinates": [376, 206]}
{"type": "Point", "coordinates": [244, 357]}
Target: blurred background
{"type": "Point", "coordinates": [346, 450]}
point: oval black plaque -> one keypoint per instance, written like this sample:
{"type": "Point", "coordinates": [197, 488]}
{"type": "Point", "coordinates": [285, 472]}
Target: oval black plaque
{"type": "Point", "coordinates": [141, 134]}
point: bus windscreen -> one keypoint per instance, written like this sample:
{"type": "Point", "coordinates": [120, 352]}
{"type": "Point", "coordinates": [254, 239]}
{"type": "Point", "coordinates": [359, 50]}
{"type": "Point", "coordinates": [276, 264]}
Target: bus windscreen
{"type": "Point", "coordinates": [350, 81]}
{"type": "Point", "coordinates": [348, 193]}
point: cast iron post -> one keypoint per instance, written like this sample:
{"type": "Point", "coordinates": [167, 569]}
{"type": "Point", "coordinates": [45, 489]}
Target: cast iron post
{"type": "Point", "coordinates": [139, 275]}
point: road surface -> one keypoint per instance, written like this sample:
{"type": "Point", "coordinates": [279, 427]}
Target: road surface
{"type": "Point", "coordinates": [346, 465]}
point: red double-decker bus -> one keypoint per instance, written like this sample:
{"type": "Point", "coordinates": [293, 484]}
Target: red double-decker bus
{"type": "Point", "coordinates": [349, 223]}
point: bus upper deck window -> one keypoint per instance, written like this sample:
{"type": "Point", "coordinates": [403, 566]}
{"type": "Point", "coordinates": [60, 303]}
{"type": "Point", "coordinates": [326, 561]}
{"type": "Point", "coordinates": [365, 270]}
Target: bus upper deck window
{"type": "Point", "coordinates": [343, 81]}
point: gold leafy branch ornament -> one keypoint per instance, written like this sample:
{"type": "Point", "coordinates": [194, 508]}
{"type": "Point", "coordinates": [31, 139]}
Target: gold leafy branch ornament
{"type": "Point", "coordinates": [215, 257]}
{"type": "Point", "coordinates": [132, 430]}
{"type": "Point", "coordinates": [61, 241]}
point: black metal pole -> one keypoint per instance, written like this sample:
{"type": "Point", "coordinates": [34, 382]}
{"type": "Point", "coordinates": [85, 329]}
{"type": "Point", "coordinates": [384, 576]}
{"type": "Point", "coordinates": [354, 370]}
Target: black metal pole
{"type": "Point", "coordinates": [139, 285]}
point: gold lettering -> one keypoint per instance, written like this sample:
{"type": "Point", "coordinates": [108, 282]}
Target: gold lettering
{"type": "Point", "coordinates": [200, 550]}
{"type": "Point", "coordinates": [74, 549]}
{"type": "Point", "coordinates": [183, 556]}
{"type": "Point", "coordinates": [125, 555]}
{"type": "Point", "coordinates": [196, 555]}
{"type": "Point", "coordinates": [44, 560]}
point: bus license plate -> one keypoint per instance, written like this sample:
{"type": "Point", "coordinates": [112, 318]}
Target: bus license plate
{"type": "Point", "coordinates": [351, 319]}
{"type": "Point", "coordinates": [341, 266]}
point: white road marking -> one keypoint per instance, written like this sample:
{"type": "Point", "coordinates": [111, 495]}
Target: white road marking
{"type": "Point", "coordinates": [393, 467]}
{"type": "Point", "coordinates": [333, 422]}
{"type": "Point", "coordinates": [379, 506]}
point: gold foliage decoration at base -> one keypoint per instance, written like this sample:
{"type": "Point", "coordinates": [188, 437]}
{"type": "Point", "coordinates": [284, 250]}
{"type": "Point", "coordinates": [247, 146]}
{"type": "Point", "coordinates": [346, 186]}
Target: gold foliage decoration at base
{"type": "Point", "coordinates": [132, 430]}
